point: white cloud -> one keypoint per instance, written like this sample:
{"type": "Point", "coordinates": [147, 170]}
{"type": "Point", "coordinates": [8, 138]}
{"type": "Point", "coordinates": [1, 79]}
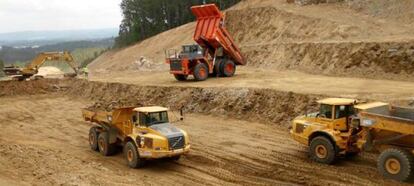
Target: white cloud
{"type": "Point", "coordinates": [22, 15]}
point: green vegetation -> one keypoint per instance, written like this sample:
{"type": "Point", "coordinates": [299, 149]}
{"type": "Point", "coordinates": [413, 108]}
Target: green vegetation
{"type": "Point", "coordinates": [84, 52]}
{"type": "Point", "coordinates": [82, 56]}
{"type": "Point", "coordinates": [12, 55]}
{"type": "Point", "coordinates": [146, 18]}
{"type": "Point", "coordinates": [1, 68]}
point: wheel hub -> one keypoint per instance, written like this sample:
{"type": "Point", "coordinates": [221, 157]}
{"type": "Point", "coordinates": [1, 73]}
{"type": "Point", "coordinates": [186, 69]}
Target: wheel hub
{"type": "Point", "coordinates": [91, 138]}
{"type": "Point", "coordinates": [130, 155]}
{"type": "Point", "coordinates": [393, 166]}
{"type": "Point", "coordinates": [203, 72]}
{"type": "Point", "coordinates": [229, 68]}
{"type": "Point", "coordinates": [101, 145]}
{"type": "Point", "coordinates": [321, 151]}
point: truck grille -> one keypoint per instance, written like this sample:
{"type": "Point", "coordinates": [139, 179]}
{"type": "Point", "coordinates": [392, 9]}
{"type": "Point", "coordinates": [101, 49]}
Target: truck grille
{"type": "Point", "coordinates": [176, 142]}
{"type": "Point", "coordinates": [175, 65]}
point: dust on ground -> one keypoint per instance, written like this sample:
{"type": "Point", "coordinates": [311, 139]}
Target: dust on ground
{"type": "Point", "coordinates": [44, 141]}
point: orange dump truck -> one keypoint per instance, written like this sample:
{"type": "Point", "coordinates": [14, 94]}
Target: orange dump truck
{"type": "Point", "coordinates": [215, 52]}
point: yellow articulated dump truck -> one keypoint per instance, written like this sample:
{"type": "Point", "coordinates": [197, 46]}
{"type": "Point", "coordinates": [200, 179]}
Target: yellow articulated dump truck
{"type": "Point", "coordinates": [144, 133]}
{"type": "Point", "coordinates": [344, 127]}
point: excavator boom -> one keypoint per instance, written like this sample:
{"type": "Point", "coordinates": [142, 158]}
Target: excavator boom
{"type": "Point", "coordinates": [41, 58]}
{"type": "Point", "coordinates": [32, 68]}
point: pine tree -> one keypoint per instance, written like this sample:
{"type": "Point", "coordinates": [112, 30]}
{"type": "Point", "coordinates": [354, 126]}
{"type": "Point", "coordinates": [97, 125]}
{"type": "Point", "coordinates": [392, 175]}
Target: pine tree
{"type": "Point", "coordinates": [146, 18]}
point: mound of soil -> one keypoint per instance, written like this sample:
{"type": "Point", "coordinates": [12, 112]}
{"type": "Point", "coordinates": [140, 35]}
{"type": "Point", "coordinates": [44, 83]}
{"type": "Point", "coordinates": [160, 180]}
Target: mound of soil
{"type": "Point", "coordinates": [389, 60]}
{"type": "Point", "coordinates": [265, 105]}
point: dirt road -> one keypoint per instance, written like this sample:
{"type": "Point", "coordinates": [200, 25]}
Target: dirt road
{"type": "Point", "coordinates": [44, 142]}
{"type": "Point", "coordinates": [294, 81]}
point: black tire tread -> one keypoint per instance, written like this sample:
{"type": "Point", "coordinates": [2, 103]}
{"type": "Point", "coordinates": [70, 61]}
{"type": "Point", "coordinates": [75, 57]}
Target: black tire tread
{"type": "Point", "coordinates": [332, 154]}
{"type": "Point", "coordinates": [94, 146]}
{"type": "Point", "coordinates": [197, 68]}
{"type": "Point", "coordinates": [407, 173]}
{"type": "Point", "coordinates": [138, 162]}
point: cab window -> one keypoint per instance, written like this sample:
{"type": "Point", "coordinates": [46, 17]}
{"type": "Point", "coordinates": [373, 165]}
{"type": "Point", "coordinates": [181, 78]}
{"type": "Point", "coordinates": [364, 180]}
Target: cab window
{"type": "Point", "coordinates": [149, 119]}
{"type": "Point", "coordinates": [325, 111]}
{"type": "Point", "coordinates": [342, 111]}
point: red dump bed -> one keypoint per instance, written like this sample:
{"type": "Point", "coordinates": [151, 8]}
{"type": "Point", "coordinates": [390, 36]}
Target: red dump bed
{"type": "Point", "coordinates": [210, 31]}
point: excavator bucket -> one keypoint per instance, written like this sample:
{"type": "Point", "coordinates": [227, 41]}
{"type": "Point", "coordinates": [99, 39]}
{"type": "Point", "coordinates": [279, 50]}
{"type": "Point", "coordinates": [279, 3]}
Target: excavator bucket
{"type": "Point", "coordinates": [211, 33]}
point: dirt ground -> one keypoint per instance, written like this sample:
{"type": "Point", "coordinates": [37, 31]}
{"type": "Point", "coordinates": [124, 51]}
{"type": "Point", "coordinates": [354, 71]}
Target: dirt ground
{"type": "Point", "coordinates": [298, 82]}
{"type": "Point", "coordinates": [44, 142]}
{"type": "Point", "coordinates": [238, 126]}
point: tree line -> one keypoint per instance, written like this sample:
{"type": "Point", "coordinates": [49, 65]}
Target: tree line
{"type": "Point", "coordinates": [1, 68]}
{"type": "Point", "coordinates": [145, 18]}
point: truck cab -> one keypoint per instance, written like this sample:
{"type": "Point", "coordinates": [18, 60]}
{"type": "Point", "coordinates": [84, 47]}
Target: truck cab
{"type": "Point", "coordinates": [156, 137]}
{"type": "Point", "coordinates": [191, 52]}
{"type": "Point", "coordinates": [327, 132]}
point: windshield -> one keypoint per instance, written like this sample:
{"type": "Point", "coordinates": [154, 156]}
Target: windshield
{"type": "Point", "coordinates": [191, 49]}
{"type": "Point", "coordinates": [154, 118]}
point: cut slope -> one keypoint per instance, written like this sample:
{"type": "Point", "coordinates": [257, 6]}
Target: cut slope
{"type": "Point", "coordinates": [332, 39]}
{"type": "Point", "coordinates": [152, 49]}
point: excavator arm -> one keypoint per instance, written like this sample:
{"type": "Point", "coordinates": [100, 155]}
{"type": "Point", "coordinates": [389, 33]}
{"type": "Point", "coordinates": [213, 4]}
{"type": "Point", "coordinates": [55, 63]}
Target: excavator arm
{"type": "Point", "coordinates": [33, 67]}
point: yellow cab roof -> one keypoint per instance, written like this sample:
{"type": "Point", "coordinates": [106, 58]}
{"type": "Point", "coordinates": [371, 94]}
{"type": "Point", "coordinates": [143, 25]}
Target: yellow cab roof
{"type": "Point", "coordinates": [151, 109]}
{"type": "Point", "coordinates": [337, 101]}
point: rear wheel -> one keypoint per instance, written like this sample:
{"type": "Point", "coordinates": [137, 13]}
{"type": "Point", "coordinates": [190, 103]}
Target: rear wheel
{"type": "Point", "coordinates": [201, 72]}
{"type": "Point", "coordinates": [93, 138]}
{"type": "Point", "coordinates": [132, 156]}
{"type": "Point", "coordinates": [396, 164]}
{"type": "Point", "coordinates": [180, 77]}
{"type": "Point", "coordinates": [217, 68]}
{"type": "Point", "coordinates": [105, 148]}
{"type": "Point", "coordinates": [322, 150]}
{"type": "Point", "coordinates": [228, 68]}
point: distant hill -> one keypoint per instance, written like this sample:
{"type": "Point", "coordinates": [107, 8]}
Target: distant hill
{"type": "Point", "coordinates": [12, 55]}
{"type": "Point", "coordinates": [31, 38]}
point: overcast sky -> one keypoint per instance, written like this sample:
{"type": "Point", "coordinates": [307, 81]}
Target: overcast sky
{"type": "Point", "coordinates": [28, 15]}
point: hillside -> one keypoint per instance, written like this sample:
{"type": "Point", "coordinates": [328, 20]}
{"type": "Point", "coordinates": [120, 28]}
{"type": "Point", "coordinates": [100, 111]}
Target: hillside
{"type": "Point", "coordinates": [12, 55]}
{"type": "Point", "coordinates": [352, 38]}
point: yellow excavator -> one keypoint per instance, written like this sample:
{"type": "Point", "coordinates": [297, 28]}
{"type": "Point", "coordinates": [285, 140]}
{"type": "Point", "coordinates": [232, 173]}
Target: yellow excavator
{"type": "Point", "coordinates": [32, 68]}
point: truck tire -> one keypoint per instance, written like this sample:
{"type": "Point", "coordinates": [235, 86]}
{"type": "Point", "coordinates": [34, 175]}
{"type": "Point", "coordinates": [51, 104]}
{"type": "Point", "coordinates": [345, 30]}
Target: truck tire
{"type": "Point", "coordinates": [228, 68]}
{"type": "Point", "coordinates": [105, 148]}
{"type": "Point", "coordinates": [180, 77]}
{"type": "Point", "coordinates": [93, 138]}
{"type": "Point", "coordinates": [217, 68]}
{"type": "Point", "coordinates": [132, 156]}
{"type": "Point", "coordinates": [322, 150]}
{"type": "Point", "coordinates": [396, 164]}
{"type": "Point", "coordinates": [201, 72]}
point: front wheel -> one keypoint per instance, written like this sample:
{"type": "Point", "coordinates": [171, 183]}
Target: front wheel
{"type": "Point", "coordinates": [396, 164]}
{"type": "Point", "coordinates": [201, 72]}
{"type": "Point", "coordinates": [322, 150]}
{"type": "Point", "coordinates": [132, 156]}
